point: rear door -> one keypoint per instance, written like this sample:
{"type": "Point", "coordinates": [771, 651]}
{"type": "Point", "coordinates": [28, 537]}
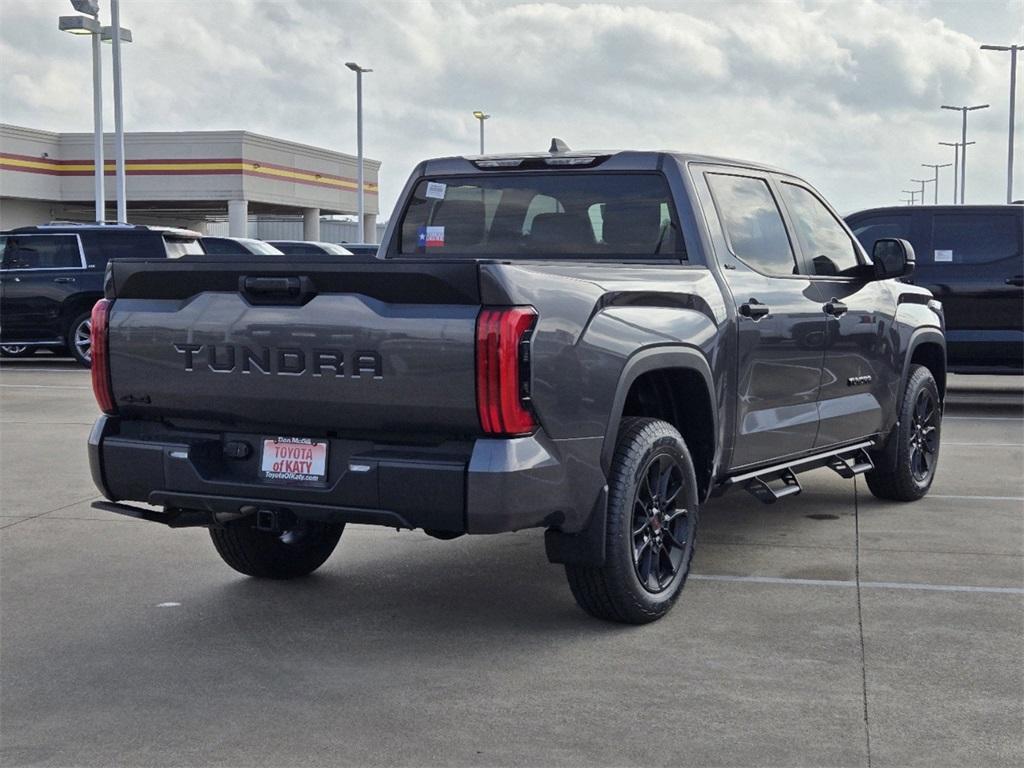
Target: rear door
{"type": "Point", "coordinates": [38, 273]}
{"type": "Point", "coordinates": [862, 369]}
{"type": "Point", "coordinates": [780, 325]}
{"type": "Point", "coordinates": [975, 266]}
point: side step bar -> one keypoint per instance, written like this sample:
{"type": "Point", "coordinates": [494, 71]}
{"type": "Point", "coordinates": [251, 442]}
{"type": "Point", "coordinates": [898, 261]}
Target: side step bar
{"type": "Point", "coordinates": [769, 484]}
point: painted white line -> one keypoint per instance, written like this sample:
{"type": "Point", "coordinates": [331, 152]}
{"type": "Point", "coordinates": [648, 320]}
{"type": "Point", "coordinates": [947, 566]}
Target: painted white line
{"type": "Point", "coordinates": [168, 605]}
{"type": "Point", "coordinates": [42, 386]}
{"type": "Point", "coordinates": [982, 418]}
{"type": "Point", "coordinates": [986, 445]}
{"type": "Point", "coordinates": [979, 498]}
{"type": "Point", "coordinates": [863, 584]}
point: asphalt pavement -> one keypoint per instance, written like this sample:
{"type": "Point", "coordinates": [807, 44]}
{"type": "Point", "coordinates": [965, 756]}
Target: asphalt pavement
{"type": "Point", "coordinates": [830, 629]}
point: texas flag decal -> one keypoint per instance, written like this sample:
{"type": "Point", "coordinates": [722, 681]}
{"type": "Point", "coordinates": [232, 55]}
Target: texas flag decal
{"type": "Point", "coordinates": [430, 237]}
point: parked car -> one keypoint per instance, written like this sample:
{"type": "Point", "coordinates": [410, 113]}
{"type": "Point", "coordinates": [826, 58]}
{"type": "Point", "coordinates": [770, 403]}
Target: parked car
{"type": "Point", "coordinates": [972, 258]}
{"type": "Point", "coordinates": [308, 248]}
{"type": "Point", "coordinates": [237, 246]}
{"type": "Point", "coordinates": [362, 249]}
{"type": "Point", "coordinates": [52, 274]}
{"type": "Point", "coordinates": [589, 343]}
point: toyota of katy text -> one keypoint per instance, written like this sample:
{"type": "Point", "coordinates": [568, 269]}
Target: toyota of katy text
{"type": "Point", "coordinates": [591, 343]}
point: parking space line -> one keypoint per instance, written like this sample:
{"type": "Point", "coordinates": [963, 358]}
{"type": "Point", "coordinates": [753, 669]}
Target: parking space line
{"type": "Point", "coordinates": [976, 498]}
{"type": "Point", "coordinates": [982, 418]}
{"type": "Point", "coordinates": [852, 583]}
{"type": "Point", "coordinates": [42, 386]}
{"type": "Point", "coordinates": [986, 445]}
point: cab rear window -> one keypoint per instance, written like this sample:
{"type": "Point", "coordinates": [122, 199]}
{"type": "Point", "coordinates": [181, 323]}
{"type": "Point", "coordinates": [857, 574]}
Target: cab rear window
{"type": "Point", "coordinates": [542, 215]}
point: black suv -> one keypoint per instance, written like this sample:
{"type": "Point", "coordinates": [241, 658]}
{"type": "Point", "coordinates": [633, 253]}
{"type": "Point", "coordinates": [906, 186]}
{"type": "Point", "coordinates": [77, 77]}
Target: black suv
{"type": "Point", "coordinates": [972, 258]}
{"type": "Point", "coordinates": [51, 275]}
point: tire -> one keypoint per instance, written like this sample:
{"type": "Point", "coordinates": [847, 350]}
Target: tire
{"type": "Point", "coordinates": [907, 469]}
{"type": "Point", "coordinates": [79, 339]}
{"type": "Point", "coordinates": [17, 350]}
{"type": "Point", "coordinates": [635, 586]}
{"type": "Point", "coordinates": [298, 551]}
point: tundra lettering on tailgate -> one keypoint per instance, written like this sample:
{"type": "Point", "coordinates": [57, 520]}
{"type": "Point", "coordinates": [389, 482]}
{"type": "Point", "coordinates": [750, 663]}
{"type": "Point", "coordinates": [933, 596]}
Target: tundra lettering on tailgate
{"type": "Point", "coordinates": [282, 361]}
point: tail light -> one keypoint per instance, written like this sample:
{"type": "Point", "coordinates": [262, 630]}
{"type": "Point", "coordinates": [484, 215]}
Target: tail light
{"type": "Point", "coordinates": [503, 370]}
{"type": "Point", "coordinates": [101, 358]}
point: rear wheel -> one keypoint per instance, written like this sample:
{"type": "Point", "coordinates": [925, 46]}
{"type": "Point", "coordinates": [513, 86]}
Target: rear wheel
{"type": "Point", "coordinates": [651, 528]}
{"type": "Point", "coordinates": [296, 551]}
{"type": "Point", "coordinates": [80, 339]}
{"type": "Point", "coordinates": [907, 473]}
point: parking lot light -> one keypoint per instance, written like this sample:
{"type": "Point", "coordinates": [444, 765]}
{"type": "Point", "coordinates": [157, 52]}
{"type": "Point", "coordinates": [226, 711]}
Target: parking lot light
{"type": "Point", "coordinates": [359, 148]}
{"type": "Point", "coordinates": [956, 163]}
{"type": "Point", "coordinates": [963, 143]}
{"type": "Point", "coordinates": [86, 25]}
{"type": "Point", "coordinates": [481, 116]}
{"type": "Point", "coordinates": [912, 193]}
{"type": "Point", "coordinates": [116, 36]}
{"type": "Point", "coordinates": [922, 182]}
{"type": "Point", "coordinates": [936, 167]}
{"type": "Point", "coordinates": [1012, 49]}
{"type": "Point", "coordinates": [107, 35]}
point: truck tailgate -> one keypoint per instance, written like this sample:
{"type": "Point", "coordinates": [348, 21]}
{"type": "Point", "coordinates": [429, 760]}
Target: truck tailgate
{"type": "Point", "coordinates": [304, 348]}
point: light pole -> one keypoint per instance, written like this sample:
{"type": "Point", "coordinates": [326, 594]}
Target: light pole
{"type": "Point", "coordinates": [481, 117]}
{"type": "Point", "coordinates": [117, 34]}
{"type": "Point", "coordinates": [912, 193]}
{"type": "Point", "coordinates": [956, 164]}
{"type": "Point", "coordinates": [1013, 93]}
{"type": "Point", "coordinates": [359, 144]}
{"type": "Point", "coordinates": [936, 169]}
{"type": "Point", "coordinates": [83, 25]}
{"type": "Point", "coordinates": [963, 143]}
{"type": "Point", "coordinates": [922, 182]}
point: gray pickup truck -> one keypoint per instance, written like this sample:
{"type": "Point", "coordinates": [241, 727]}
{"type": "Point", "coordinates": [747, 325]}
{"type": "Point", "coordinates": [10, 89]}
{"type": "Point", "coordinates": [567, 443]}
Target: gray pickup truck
{"type": "Point", "coordinates": [592, 343]}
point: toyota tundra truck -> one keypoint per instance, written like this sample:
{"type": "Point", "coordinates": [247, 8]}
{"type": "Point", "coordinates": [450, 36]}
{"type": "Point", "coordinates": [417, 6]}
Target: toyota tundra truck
{"type": "Point", "coordinates": [592, 343]}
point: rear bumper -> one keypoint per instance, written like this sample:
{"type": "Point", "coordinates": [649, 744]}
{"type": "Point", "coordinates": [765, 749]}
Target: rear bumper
{"type": "Point", "coordinates": [481, 486]}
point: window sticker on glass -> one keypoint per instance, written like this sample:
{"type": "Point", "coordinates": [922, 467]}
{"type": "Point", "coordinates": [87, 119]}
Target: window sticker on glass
{"type": "Point", "coordinates": [943, 255]}
{"type": "Point", "coordinates": [430, 237]}
{"type": "Point", "coordinates": [436, 189]}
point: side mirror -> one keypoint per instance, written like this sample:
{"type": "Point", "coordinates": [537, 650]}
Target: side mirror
{"type": "Point", "coordinates": [892, 258]}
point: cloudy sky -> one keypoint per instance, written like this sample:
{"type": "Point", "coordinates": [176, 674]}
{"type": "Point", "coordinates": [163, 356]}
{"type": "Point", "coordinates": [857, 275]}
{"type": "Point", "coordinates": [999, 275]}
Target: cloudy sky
{"type": "Point", "coordinates": [845, 93]}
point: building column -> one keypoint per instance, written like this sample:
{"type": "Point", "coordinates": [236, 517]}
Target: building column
{"type": "Point", "coordinates": [369, 232]}
{"type": "Point", "coordinates": [238, 218]}
{"type": "Point", "coordinates": [310, 223]}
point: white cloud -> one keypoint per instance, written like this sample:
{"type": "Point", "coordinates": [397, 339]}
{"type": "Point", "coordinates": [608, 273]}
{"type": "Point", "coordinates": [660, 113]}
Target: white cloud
{"type": "Point", "coordinates": [846, 94]}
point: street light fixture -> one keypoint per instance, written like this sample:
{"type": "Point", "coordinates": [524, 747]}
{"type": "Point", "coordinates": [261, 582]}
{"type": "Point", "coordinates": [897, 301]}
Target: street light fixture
{"type": "Point", "coordinates": [922, 182]}
{"type": "Point", "coordinates": [107, 34]}
{"type": "Point", "coordinates": [956, 163]}
{"type": "Point", "coordinates": [935, 167]}
{"type": "Point", "coordinates": [481, 117]}
{"type": "Point", "coordinates": [1013, 93]}
{"type": "Point", "coordinates": [84, 25]}
{"type": "Point", "coordinates": [359, 146]}
{"type": "Point", "coordinates": [912, 193]}
{"type": "Point", "coordinates": [963, 143]}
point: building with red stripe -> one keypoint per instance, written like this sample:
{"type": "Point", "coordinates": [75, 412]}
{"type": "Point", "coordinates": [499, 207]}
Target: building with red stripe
{"type": "Point", "coordinates": [187, 178]}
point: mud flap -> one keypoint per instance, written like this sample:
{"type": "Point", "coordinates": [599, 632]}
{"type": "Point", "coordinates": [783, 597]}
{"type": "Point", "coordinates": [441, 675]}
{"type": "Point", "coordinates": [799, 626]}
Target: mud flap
{"type": "Point", "coordinates": [586, 547]}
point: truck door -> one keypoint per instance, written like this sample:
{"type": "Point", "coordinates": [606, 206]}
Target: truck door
{"type": "Point", "coordinates": [780, 326]}
{"type": "Point", "coordinates": [38, 273]}
{"type": "Point", "coordinates": [861, 374]}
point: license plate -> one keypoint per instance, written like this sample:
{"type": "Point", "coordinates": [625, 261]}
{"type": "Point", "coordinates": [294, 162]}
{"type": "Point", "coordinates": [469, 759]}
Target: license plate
{"type": "Point", "coordinates": [294, 460]}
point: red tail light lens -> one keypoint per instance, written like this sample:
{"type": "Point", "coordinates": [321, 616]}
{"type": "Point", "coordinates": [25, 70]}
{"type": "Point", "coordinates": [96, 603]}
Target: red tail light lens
{"type": "Point", "coordinates": [101, 358]}
{"type": "Point", "coordinates": [502, 370]}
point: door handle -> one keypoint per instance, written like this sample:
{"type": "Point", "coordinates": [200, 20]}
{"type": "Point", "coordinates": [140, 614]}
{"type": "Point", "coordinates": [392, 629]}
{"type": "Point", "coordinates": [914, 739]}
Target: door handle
{"type": "Point", "coordinates": [1018, 280]}
{"type": "Point", "coordinates": [835, 307]}
{"type": "Point", "coordinates": [64, 280]}
{"type": "Point", "coordinates": [754, 309]}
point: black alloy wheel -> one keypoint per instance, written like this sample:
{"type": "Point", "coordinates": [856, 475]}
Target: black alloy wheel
{"type": "Point", "coordinates": [661, 529]}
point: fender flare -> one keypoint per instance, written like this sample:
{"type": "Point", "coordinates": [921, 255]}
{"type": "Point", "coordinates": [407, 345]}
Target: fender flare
{"type": "Point", "coordinates": [926, 335]}
{"type": "Point", "coordinates": [652, 359]}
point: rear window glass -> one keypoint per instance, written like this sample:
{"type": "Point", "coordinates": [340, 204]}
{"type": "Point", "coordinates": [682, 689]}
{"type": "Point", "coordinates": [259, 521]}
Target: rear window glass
{"type": "Point", "coordinates": [542, 215]}
{"type": "Point", "coordinates": [181, 246]}
{"type": "Point", "coordinates": [40, 252]}
{"type": "Point", "coordinates": [974, 238]}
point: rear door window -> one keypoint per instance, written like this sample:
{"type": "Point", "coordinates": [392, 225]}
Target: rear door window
{"type": "Point", "coordinates": [752, 223]}
{"type": "Point", "coordinates": [974, 238]}
{"type": "Point", "coordinates": [542, 215]}
{"type": "Point", "coordinates": [41, 252]}
{"type": "Point", "coordinates": [873, 228]}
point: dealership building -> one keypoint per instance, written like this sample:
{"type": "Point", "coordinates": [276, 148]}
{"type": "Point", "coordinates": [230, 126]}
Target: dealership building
{"type": "Point", "coordinates": [195, 179]}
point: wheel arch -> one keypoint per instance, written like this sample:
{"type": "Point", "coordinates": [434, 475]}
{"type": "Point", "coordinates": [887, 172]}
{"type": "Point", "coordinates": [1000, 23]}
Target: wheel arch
{"type": "Point", "coordinates": [665, 382]}
{"type": "Point", "coordinates": [927, 347]}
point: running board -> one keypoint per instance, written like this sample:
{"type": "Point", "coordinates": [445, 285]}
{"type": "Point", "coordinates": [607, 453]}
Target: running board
{"type": "Point", "coordinates": [769, 484]}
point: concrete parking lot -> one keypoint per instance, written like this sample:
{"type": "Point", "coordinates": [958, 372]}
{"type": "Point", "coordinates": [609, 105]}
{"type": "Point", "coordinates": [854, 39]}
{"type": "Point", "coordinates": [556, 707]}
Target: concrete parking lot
{"type": "Point", "coordinates": [830, 629]}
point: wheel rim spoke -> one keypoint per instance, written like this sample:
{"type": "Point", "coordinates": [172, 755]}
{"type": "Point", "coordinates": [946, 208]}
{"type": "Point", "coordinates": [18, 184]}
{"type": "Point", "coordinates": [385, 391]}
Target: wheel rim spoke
{"type": "Point", "coordinates": [660, 531]}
